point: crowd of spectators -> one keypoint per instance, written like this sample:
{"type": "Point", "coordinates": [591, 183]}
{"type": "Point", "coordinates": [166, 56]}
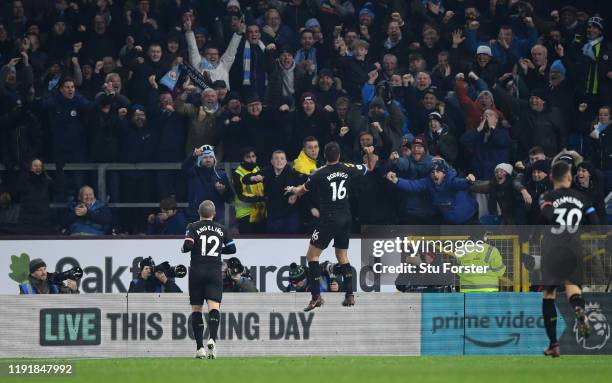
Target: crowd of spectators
{"type": "Point", "coordinates": [467, 103]}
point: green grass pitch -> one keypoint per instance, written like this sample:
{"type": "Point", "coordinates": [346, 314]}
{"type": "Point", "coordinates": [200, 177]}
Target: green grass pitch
{"type": "Point", "coordinates": [469, 369]}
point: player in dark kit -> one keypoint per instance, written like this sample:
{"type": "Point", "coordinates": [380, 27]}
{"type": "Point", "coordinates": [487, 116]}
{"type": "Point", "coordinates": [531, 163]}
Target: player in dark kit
{"type": "Point", "coordinates": [565, 210]}
{"type": "Point", "coordinates": [330, 183]}
{"type": "Point", "coordinates": [206, 240]}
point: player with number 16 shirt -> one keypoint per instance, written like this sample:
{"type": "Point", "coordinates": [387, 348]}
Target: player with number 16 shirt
{"type": "Point", "coordinates": [330, 183]}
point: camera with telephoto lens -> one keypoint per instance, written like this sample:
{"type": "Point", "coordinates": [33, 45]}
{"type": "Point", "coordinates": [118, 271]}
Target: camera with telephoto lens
{"type": "Point", "coordinates": [178, 271]}
{"type": "Point", "coordinates": [58, 278]}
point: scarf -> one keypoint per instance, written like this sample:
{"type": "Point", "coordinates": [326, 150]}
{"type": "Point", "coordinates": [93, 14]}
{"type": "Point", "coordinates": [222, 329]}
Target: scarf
{"type": "Point", "coordinates": [311, 55]}
{"type": "Point", "coordinates": [287, 78]}
{"type": "Point", "coordinates": [588, 48]}
{"type": "Point", "coordinates": [390, 44]}
{"type": "Point", "coordinates": [205, 65]}
{"type": "Point", "coordinates": [246, 61]}
{"type": "Point", "coordinates": [601, 127]}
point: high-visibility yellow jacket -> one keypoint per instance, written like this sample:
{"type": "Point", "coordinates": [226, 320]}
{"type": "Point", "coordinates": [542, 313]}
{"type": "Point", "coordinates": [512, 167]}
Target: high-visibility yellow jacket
{"type": "Point", "coordinates": [482, 282]}
{"type": "Point", "coordinates": [255, 210]}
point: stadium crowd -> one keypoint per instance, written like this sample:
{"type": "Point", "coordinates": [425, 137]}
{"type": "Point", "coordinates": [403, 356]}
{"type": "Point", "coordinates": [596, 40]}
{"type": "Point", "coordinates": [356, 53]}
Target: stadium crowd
{"type": "Point", "coordinates": [467, 103]}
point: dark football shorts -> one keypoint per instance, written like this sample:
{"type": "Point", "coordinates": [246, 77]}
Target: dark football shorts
{"type": "Point", "coordinates": [205, 282]}
{"type": "Point", "coordinates": [333, 226]}
{"type": "Point", "coordinates": [562, 262]}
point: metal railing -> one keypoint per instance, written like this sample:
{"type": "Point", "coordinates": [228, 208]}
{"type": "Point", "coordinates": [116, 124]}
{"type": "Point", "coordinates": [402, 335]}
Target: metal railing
{"type": "Point", "coordinates": [102, 168]}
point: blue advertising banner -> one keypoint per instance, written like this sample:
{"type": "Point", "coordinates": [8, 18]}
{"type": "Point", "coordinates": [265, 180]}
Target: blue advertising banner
{"type": "Point", "coordinates": [483, 323]}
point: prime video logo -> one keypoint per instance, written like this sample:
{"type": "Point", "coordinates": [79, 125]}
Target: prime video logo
{"type": "Point", "coordinates": [414, 247]}
{"type": "Point", "coordinates": [514, 323]}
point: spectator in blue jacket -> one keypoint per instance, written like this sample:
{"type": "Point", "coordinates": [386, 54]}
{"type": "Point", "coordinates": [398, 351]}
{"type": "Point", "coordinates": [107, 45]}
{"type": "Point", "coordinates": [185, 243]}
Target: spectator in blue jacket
{"type": "Point", "coordinates": [416, 208]}
{"type": "Point", "coordinates": [205, 181]}
{"type": "Point", "coordinates": [88, 216]}
{"type": "Point", "coordinates": [491, 146]}
{"type": "Point", "coordinates": [170, 221]}
{"type": "Point", "coordinates": [449, 192]}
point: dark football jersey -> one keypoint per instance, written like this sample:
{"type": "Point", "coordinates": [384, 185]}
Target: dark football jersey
{"type": "Point", "coordinates": [209, 238]}
{"type": "Point", "coordinates": [565, 210]}
{"type": "Point", "coordinates": [330, 183]}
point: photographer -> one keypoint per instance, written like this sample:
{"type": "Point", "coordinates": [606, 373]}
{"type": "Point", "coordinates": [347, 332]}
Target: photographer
{"type": "Point", "coordinates": [331, 278]}
{"type": "Point", "coordinates": [236, 278]}
{"type": "Point", "coordinates": [42, 282]}
{"type": "Point", "coordinates": [147, 283]}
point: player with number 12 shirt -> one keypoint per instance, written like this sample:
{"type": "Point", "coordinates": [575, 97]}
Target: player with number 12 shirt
{"type": "Point", "coordinates": [330, 183]}
{"type": "Point", "coordinates": [206, 240]}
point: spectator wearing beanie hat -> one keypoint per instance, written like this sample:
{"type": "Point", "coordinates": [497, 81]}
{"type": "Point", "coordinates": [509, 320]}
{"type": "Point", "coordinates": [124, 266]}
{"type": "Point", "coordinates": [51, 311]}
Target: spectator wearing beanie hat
{"type": "Point", "coordinates": [439, 140]}
{"type": "Point", "coordinates": [415, 208]}
{"type": "Point", "coordinates": [485, 66]}
{"type": "Point", "coordinates": [386, 123]}
{"type": "Point", "coordinates": [593, 62]}
{"type": "Point", "coordinates": [536, 186]}
{"type": "Point", "coordinates": [449, 193]}
{"type": "Point", "coordinates": [231, 125]}
{"type": "Point", "coordinates": [205, 181]}
{"type": "Point", "coordinates": [586, 181]}
{"type": "Point", "coordinates": [310, 120]}
{"type": "Point", "coordinates": [38, 281]}
{"type": "Point", "coordinates": [502, 195]}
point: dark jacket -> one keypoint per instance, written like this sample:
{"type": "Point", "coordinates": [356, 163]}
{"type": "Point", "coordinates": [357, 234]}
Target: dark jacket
{"type": "Point", "coordinates": [504, 195]}
{"type": "Point", "coordinates": [22, 137]}
{"type": "Point", "coordinates": [174, 225]}
{"type": "Point", "coordinates": [354, 74]}
{"type": "Point", "coordinates": [136, 144]}
{"type": "Point", "coordinates": [104, 137]}
{"type": "Point", "coordinates": [234, 135]}
{"type": "Point", "coordinates": [67, 121]}
{"type": "Point", "coordinates": [153, 285]}
{"type": "Point", "coordinates": [171, 131]}
{"type": "Point", "coordinates": [443, 144]}
{"type": "Point", "coordinates": [546, 129]}
{"type": "Point", "coordinates": [35, 193]}
{"type": "Point", "coordinates": [201, 186]}
{"type": "Point", "coordinates": [277, 205]}
{"type": "Point", "coordinates": [595, 194]}
{"type": "Point", "coordinates": [257, 72]}
{"type": "Point", "coordinates": [316, 125]}
{"type": "Point", "coordinates": [488, 150]}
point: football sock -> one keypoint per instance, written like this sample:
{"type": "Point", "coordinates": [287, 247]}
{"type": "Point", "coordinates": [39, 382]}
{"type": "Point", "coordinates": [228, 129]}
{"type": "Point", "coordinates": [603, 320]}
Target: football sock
{"type": "Point", "coordinates": [314, 278]}
{"type": "Point", "coordinates": [577, 301]}
{"type": "Point", "coordinates": [347, 278]}
{"type": "Point", "coordinates": [197, 325]}
{"type": "Point", "coordinates": [550, 319]}
{"type": "Point", "coordinates": [213, 323]}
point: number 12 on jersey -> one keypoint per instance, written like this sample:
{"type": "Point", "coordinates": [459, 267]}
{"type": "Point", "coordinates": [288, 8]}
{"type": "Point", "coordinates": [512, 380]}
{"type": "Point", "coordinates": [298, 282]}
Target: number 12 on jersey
{"type": "Point", "coordinates": [214, 242]}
